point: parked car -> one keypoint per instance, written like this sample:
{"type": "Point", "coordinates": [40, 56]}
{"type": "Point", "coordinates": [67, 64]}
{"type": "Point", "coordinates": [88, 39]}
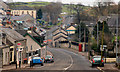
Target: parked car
{"type": "Point", "coordinates": [48, 58]}
{"type": "Point", "coordinates": [96, 60]}
{"type": "Point", "coordinates": [36, 60]}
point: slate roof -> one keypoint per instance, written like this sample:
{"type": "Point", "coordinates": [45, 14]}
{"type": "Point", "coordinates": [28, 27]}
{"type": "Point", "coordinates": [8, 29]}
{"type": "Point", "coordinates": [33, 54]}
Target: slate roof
{"type": "Point", "coordinates": [58, 29]}
{"type": "Point", "coordinates": [59, 33]}
{"type": "Point", "coordinates": [22, 32]}
{"type": "Point", "coordinates": [13, 34]}
{"type": "Point", "coordinates": [89, 23]}
{"type": "Point", "coordinates": [3, 5]}
{"type": "Point", "coordinates": [23, 8]}
{"type": "Point", "coordinates": [60, 37]}
{"type": "Point", "coordinates": [22, 17]}
{"type": "Point", "coordinates": [112, 20]}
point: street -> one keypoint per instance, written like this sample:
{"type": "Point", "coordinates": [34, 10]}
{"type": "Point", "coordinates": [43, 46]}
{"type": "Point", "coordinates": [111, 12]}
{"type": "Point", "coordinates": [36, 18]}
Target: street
{"type": "Point", "coordinates": [63, 60]}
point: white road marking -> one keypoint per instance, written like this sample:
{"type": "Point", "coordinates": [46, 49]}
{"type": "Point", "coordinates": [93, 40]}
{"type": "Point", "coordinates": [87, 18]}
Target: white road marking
{"type": "Point", "coordinates": [71, 60]}
{"type": "Point", "coordinates": [100, 69]}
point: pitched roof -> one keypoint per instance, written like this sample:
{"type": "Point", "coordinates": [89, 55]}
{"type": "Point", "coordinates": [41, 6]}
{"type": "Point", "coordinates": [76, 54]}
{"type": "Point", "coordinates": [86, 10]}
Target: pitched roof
{"type": "Point", "coordinates": [13, 34]}
{"type": "Point", "coordinates": [22, 17]}
{"type": "Point", "coordinates": [69, 27]}
{"type": "Point", "coordinates": [60, 37]}
{"type": "Point", "coordinates": [59, 33]}
{"type": "Point", "coordinates": [58, 29]}
{"type": "Point", "coordinates": [22, 32]}
{"type": "Point", "coordinates": [23, 8]}
{"type": "Point", "coordinates": [3, 5]}
{"type": "Point", "coordinates": [89, 23]}
{"type": "Point", "coordinates": [33, 39]}
{"type": "Point", "coordinates": [112, 19]}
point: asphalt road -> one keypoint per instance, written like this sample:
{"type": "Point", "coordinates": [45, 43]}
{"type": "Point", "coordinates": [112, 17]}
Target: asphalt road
{"type": "Point", "coordinates": [64, 60]}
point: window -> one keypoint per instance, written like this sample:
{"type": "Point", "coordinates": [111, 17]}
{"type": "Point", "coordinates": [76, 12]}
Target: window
{"type": "Point", "coordinates": [22, 12]}
{"type": "Point", "coordinates": [27, 12]}
{"type": "Point", "coordinates": [31, 47]}
{"type": "Point", "coordinates": [10, 56]}
{"type": "Point", "coordinates": [32, 13]}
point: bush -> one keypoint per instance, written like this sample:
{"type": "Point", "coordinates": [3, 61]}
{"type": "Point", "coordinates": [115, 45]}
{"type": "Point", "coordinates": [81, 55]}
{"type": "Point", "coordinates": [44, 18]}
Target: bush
{"type": "Point", "coordinates": [94, 47]}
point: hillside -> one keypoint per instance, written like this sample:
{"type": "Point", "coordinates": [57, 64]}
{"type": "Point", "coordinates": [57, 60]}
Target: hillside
{"type": "Point", "coordinates": [39, 4]}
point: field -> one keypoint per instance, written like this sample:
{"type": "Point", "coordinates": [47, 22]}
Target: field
{"type": "Point", "coordinates": [38, 4]}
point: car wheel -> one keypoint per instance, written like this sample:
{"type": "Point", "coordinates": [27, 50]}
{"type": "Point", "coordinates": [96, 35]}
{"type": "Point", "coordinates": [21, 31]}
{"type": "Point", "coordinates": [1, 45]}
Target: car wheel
{"type": "Point", "coordinates": [102, 65]}
{"type": "Point", "coordinates": [41, 64]}
{"type": "Point", "coordinates": [92, 65]}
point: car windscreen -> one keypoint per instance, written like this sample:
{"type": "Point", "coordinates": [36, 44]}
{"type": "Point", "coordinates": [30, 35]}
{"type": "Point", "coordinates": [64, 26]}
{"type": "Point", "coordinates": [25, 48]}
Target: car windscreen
{"type": "Point", "coordinates": [36, 58]}
{"type": "Point", "coordinates": [48, 57]}
{"type": "Point", "coordinates": [97, 58]}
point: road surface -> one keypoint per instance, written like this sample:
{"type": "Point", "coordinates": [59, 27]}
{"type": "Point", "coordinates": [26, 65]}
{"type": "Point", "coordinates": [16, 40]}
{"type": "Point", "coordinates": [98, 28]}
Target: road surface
{"type": "Point", "coordinates": [64, 60]}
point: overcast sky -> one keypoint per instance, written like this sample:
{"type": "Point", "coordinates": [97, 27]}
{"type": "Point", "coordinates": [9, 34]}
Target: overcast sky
{"type": "Point", "coordinates": [86, 2]}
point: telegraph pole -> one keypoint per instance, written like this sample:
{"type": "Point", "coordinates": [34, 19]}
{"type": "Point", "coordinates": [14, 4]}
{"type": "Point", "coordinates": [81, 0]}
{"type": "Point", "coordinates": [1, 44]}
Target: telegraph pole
{"type": "Point", "coordinates": [117, 39]}
{"type": "Point", "coordinates": [102, 42]}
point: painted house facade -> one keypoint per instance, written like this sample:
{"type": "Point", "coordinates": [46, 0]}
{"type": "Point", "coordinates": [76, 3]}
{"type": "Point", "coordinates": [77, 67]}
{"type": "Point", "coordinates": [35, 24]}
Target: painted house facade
{"type": "Point", "coordinates": [17, 11]}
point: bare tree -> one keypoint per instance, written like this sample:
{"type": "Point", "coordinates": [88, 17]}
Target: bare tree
{"type": "Point", "coordinates": [53, 10]}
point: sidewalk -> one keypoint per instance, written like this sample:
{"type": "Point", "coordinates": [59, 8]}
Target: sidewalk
{"type": "Point", "coordinates": [13, 66]}
{"type": "Point", "coordinates": [109, 67]}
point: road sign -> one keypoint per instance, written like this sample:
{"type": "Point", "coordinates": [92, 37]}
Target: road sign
{"type": "Point", "coordinates": [102, 49]}
{"type": "Point", "coordinates": [18, 44]}
{"type": "Point", "coordinates": [45, 41]}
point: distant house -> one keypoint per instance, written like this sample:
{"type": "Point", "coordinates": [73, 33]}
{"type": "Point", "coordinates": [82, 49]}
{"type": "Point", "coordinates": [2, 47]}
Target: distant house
{"type": "Point", "coordinates": [59, 35]}
{"type": "Point", "coordinates": [112, 22]}
{"type": "Point", "coordinates": [17, 11]}
{"type": "Point", "coordinates": [90, 25]}
{"type": "Point", "coordinates": [16, 43]}
{"type": "Point", "coordinates": [3, 8]}
{"type": "Point", "coordinates": [23, 21]}
{"type": "Point", "coordinates": [71, 29]}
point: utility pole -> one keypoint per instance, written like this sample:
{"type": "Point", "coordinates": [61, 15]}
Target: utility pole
{"type": "Point", "coordinates": [102, 42]}
{"type": "Point", "coordinates": [117, 39]}
{"type": "Point", "coordinates": [97, 36]}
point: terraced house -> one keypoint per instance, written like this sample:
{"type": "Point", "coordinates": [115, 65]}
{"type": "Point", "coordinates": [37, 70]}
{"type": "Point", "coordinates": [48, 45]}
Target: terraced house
{"type": "Point", "coordinates": [17, 11]}
{"type": "Point", "coordinates": [59, 35]}
{"type": "Point", "coordinates": [14, 47]}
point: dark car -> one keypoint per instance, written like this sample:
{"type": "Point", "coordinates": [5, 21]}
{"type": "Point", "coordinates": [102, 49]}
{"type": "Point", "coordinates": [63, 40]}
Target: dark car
{"type": "Point", "coordinates": [96, 60]}
{"type": "Point", "coordinates": [48, 58]}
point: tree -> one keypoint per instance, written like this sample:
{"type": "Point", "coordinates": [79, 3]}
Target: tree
{"type": "Point", "coordinates": [100, 25]}
{"type": "Point", "coordinates": [39, 14]}
{"type": "Point", "coordinates": [53, 10]}
{"type": "Point", "coordinates": [104, 8]}
{"type": "Point", "coordinates": [86, 32]}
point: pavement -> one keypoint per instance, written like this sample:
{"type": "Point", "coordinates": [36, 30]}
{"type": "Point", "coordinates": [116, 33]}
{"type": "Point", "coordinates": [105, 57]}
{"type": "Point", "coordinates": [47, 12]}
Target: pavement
{"type": "Point", "coordinates": [13, 66]}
